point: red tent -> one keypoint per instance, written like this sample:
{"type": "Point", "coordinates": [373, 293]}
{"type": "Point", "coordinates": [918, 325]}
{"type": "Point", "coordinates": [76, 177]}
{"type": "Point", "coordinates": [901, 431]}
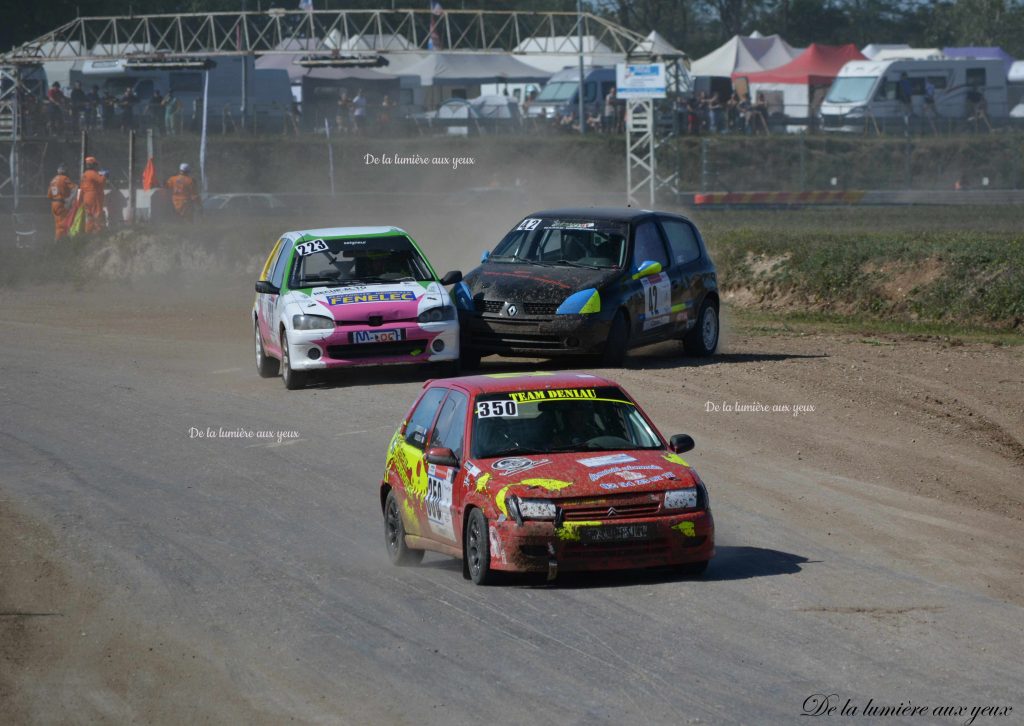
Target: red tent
{"type": "Point", "coordinates": [816, 66]}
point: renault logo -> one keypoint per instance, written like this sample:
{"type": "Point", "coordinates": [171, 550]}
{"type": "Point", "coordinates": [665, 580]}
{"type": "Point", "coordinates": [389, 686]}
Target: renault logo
{"type": "Point", "coordinates": [612, 512]}
{"type": "Point", "coordinates": [512, 310]}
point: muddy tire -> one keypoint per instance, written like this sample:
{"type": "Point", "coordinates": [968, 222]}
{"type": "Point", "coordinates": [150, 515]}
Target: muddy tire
{"type": "Point", "coordinates": [399, 553]}
{"type": "Point", "coordinates": [476, 549]}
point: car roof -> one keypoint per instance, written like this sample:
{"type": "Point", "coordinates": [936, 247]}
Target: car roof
{"type": "Point", "coordinates": [526, 381]}
{"type": "Point", "coordinates": [615, 214]}
{"type": "Point", "coordinates": [346, 231]}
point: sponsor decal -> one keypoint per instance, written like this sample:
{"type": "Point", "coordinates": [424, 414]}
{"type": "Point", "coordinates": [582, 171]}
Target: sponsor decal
{"type": "Point", "coordinates": [565, 224]}
{"type": "Point", "coordinates": [606, 460]}
{"type": "Point", "coordinates": [438, 502]}
{"type": "Point", "coordinates": [629, 475]}
{"type": "Point", "coordinates": [557, 393]}
{"type": "Point", "coordinates": [371, 297]}
{"type": "Point", "coordinates": [615, 469]}
{"type": "Point", "coordinates": [638, 482]}
{"type": "Point", "coordinates": [528, 224]}
{"type": "Point", "coordinates": [516, 464]}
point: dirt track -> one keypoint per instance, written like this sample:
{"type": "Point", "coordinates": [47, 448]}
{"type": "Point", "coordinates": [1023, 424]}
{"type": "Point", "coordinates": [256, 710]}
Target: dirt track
{"type": "Point", "coordinates": [872, 547]}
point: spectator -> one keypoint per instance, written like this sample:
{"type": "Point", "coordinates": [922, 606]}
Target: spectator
{"type": "Point", "coordinates": [977, 109]}
{"type": "Point", "coordinates": [55, 103]}
{"type": "Point", "coordinates": [608, 119]}
{"type": "Point", "coordinates": [93, 106]}
{"type": "Point", "coordinates": [904, 94]}
{"type": "Point", "coordinates": [78, 106]}
{"type": "Point", "coordinates": [107, 105]}
{"type": "Point", "coordinates": [172, 112]}
{"type": "Point", "coordinates": [384, 117]}
{"type": "Point", "coordinates": [127, 103]}
{"type": "Point", "coordinates": [293, 121]}
{"type": "Point", "coordinates": [359, 112]}
{"type": "Point", "coordinates": [759, 115]}
{"type": "Point", "coordinates": [154, 107]}
{"type": "Point", "coordinates": [344, 114]}
{"type": "Point", "coordinates": [59, 193]}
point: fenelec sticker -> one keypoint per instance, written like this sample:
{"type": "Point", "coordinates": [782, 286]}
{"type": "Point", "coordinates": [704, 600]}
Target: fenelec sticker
{"type": "Point", "coordinates": [528, 224]}
{"type": "Point", "coordinates": [606, 460]}
{"type": "Point", "coordinates": [371, 297]}
{"type": "Point", "coordinates": [489, 409]}
{"type": "Point", "coordinates": [308, 248]}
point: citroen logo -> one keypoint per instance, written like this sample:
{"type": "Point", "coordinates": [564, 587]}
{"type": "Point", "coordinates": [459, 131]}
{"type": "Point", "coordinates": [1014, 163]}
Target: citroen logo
{"type": "Point", "coordinates": [512, 310]}
{"type": "Point", "coordinates": [612, 512]}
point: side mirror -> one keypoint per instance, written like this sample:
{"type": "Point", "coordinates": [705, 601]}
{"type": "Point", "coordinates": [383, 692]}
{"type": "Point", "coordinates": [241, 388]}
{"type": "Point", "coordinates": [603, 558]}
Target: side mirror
{"type": "Point", "coordinates": [442, 456]}
{"type": "Point", "coordinates": [645, 268]}
{"type": "Point", "coordinates": [267, 288]}
{"type": "Point", "coordinates": [484, 256]}
{"type": "Point", "coordinates": [450, 278]}
{"type": "Point", "coordinates": [681, 443]}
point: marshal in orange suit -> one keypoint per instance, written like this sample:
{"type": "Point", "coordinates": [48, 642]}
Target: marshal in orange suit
{"type": "Point", "coordinates": [92, 187]}
{"type": "Point", "coordinates": [59, 193]}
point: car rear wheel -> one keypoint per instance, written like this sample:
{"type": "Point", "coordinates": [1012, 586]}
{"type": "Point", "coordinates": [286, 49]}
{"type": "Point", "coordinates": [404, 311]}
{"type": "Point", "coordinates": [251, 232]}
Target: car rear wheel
{"type": "Point", "coordinates": [394, 535]}
{"type": "Point", "coordinates": [476, 549]}
{"type": "Point", "coordinates": [617, 344]}
{"type": "Point", "coordinates": [266, 366]}
{"type": "Point", "coordinates": [470, 359]}
{"type": "Point", "coordinates": [703, 339]}
{"type": "Point", "coordinates": [293, 379]}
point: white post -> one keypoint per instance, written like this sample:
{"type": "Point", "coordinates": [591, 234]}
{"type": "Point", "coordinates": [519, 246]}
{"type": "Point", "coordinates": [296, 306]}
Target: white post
{"type": "Point", "coordinates": [330, 153]}
{"type": "Point", "coordinates": [202, 137]}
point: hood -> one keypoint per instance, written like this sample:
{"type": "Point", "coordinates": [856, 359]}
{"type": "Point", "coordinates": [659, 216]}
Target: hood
{"type": "Point", "coordinates": [580, 474]}
{"type": "Point", "coordinates": [515, 281]}
{"type": "Point", "coordinates": [355, 303]}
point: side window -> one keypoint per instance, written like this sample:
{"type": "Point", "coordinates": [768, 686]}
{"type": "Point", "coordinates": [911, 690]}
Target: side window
{"type": "Point", "coordinates": [277, 276]}
{"type": "Point", "coordinates": [271, 260]}
{"type": "Point", "coordinates": [682, 239]}
{"type": "Point", "coordinates": [648, 245]}
{"type": "Point", "coordinates": [423, 416]}
{"type": "Point", "coordinates": [975, 76]}
{"type": "Point", "coordinates": [451, 424]}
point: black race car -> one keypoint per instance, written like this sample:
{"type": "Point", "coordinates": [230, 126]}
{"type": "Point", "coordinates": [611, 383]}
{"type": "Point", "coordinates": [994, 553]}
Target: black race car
{"type": "Point", "coordinates": [591, 281]}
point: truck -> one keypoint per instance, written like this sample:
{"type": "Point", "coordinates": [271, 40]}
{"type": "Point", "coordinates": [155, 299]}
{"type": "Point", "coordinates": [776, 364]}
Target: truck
{"type": "Point", "coordinates": [866, 92]}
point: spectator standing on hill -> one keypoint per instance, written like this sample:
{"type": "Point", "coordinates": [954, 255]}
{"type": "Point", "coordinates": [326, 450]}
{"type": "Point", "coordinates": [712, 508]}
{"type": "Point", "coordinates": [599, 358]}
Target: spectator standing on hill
{"type": "Point", "coordinates": [127, 103]}
{"type": "Point", "coordinates": [172, 109]}
{"type": "Point", "coordinates": [343, 115]}
{"type": "Point", "coordinates": [78, 105]}
{"type": "Point", "coordinates": [107, 106]}
{"type": "Point", "coordinates": [93, 104]}
{"type": "Point", "coordinates": [359, 112]}
{"type": "Point", "coordinates": [55, 103]}
{"type": "Point", "coordinates": [154, 109]}
{"type": "Point", "coordinates": [608, 118]}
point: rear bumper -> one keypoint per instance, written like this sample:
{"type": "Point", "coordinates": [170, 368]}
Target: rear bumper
{"type": "Point", "coordinates": [421, 343]}
{"type": "Point", "coordinates": [534, 546]}
{"type": "Point", "coordinates": [551, 336]}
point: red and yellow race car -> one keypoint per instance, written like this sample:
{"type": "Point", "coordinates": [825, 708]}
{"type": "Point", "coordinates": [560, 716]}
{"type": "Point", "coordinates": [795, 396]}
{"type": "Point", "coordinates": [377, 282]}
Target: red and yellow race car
{"type": "Point", "coordinates": [541, 472]}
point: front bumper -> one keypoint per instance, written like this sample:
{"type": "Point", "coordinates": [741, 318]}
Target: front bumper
{"type": "Point", "coordinates": [335, 349]}
{"type": "Point", "coordinates": [536, 545]}
{"type": "Point", "coordinates": [534, 336]}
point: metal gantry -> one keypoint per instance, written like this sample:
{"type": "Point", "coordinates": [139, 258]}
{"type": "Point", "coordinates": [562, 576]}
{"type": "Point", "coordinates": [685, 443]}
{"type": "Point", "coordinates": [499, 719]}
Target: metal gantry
{"type": "Point", "coordinates": [283, 31]}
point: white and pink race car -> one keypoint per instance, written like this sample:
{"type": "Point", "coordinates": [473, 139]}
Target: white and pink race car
{"type": "Point", "coordinates": [351, 296]}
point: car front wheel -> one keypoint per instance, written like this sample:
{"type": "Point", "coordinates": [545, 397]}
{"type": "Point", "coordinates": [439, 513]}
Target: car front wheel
{"type": "Point", "coordinates": [703, 339]}
{"type": "Point", "coordinates": [394, 535]}
{"type": "Point", "coordinates": [617, 344]}
{"type": "Point", "coordinates": [293, 379]}
{"type": "Point", "coordinates": [266, 366]}
{"type": "Point", "coordinates": [477, 549]}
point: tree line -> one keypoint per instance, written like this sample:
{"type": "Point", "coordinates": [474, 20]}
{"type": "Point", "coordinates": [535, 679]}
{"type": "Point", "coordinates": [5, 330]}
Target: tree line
{"type": "Point", "coordinates": [694, 26]}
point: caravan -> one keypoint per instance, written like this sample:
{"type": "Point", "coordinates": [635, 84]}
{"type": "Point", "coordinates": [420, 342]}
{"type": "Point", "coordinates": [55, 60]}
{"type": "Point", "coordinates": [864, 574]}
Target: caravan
{"type": "Point", "coordinates": [867, 92]}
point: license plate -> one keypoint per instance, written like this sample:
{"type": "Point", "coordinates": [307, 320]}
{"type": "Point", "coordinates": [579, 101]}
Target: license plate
{"type": "Point", "coordinates": [377, 336]}
{"type": "Point", "coordinates": [616, 533]}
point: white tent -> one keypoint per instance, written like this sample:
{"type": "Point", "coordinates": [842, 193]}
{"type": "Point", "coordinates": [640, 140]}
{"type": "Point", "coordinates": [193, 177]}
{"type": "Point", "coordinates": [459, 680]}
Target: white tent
{"type": "Point", "coordinates": [462, 69]}
{"type": "Point", "coordinates": [744, 54]}
{"type": "Point", "coordinates": [556, 52]}
{"type": "Point", "coordinates": [656, 45]}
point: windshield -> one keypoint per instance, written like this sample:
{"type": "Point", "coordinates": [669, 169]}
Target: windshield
{"type": "Point", "coordinates": [855, 89]}
{"type": "Point", "coordinates": [340, 261]}
{"type": "Point", "coordinates": [554, 420]}
{"type": "Point", "coordinates": [572, 242]}
{"type": "Point", "coordinates": [558, 91]}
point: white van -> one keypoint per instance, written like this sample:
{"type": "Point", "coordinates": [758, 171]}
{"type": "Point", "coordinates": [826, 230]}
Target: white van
{"type": "Point", "coordinates": [866, 90]}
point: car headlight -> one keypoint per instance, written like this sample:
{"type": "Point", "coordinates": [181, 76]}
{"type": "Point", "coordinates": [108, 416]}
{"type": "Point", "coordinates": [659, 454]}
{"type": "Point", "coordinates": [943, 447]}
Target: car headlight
{"type": "Point", "coordinates": [312, 322]}
{"type": "Point", "coordinates": [693, 498]}
{"type": "Point", "coordinates": [437, 314]}
{"type": "Point", "coordinates": [532, 508]}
